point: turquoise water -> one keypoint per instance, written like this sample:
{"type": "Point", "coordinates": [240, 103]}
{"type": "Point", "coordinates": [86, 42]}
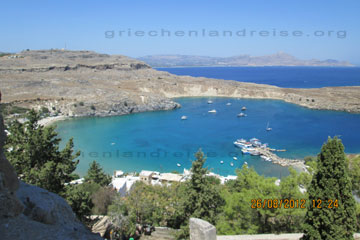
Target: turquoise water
{"type": "Point", "coordinates": [287, 77]}
{"type": "Point", "coordinates": [160, 140]}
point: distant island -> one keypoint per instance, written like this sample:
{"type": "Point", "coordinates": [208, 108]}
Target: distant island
{"type": "Point", "coordinates": [277, 59]}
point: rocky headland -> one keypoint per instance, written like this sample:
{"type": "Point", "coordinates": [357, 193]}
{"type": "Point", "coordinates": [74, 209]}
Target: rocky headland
{"type": "Point", "coordinates": [85, 83]}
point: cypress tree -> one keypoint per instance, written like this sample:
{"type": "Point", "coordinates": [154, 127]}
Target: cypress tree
{"type": "Point", "coordinates": [97, 175]}
{"type": "Point", "coordinates": [330, 220]}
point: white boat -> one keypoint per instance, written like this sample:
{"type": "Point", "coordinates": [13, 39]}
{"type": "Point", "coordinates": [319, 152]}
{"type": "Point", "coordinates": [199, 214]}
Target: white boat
{"type": "Point", "coordinates": [228, 104]}
{"type": "Point", "coordinates": [210, 102]}
{"type": "Point", "coordinates": [221, 162]}
{"type": "Point", "coordinates": [266, 158]}
{"type": "Point", "coordinates": [179, 165]}
{"type": "Point", "coordinates": [245, 151]}
{"type": "Point", "coordinates": [241, 115]}
{"type": "Point", "coordinates": [231, 164]}
{"type": "Point", "coordinates": [212, 111]}
{"type": "Point", "coordinates": [183, 117]}
{"type": "Point", "coordinates": [246, 163]}
{"type": "Point", "coordinates": [268, 128]}
{"type": "Point", "coordinates": [243, 108]}
{"type": "Point", "coordinates": [241, 143]}
{"type": "Point", "coordinates": [112, 143]}
{"type": "Point", "coordinates": [254, 153]}
{"type": "Point", "coordinates": [235, 158]}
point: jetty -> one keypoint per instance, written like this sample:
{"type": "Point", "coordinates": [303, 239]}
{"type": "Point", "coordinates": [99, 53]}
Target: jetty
{"type": "Point", "coordinates": [256, 148]}
{"type": "Point", "coordinates": [278, 160]}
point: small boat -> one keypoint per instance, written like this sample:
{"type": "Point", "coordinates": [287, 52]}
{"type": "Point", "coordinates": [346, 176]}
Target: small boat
{"type": "Point", "coordinates": [241, 115]}
{"type": "Point", "coordinates": [231, 164]}
{"type": "Point", "coordinates": [243, 108]}
{"type": "Point", "coordinates": [241, 143]}
{"type": "Point", "coordinates": [183, 117]}
{"type": "Point", "coordinates": [212, 111]}
{"type": "Point", "coordinates": [179, 165]}
{"type": "Point", "coordinates": [245, 151]}
{"type": "Point", "coordinates": [268, 128]}
{"type": "Point", "coordinates": [235, 158]}
{"type": "Point", "coordinates": [254, 153]}
{"type": "Point", "coordinates": [210, 102]}
{"type": "Point", "coordinates": [246, 163]}
{"type": "Point", "coordinates": [268, 159]}
{"type": "Point", "coordinates": [228, 104]}
{"type": "Point", "coordinates": [112, 143]}
{"type": "Point", "coordinates": [221, 162]}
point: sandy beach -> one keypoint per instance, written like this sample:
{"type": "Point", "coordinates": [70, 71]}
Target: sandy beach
{"type": "Point", "coordinates": [51, 120]}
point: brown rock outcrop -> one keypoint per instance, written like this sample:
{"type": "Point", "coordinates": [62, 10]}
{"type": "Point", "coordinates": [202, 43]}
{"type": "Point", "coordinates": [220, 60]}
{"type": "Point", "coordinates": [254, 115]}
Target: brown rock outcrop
{"type": "Point", "coordinates": [84, 83]}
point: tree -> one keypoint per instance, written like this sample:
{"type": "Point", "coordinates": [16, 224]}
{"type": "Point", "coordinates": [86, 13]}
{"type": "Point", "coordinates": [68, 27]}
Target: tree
{"type": "Point", "coordinates": [354, 171]}
{"type": "Point", "coordinates": [330, 182]}
{"type": "Point", "coordinates": [97, 175]}
{"type": "Point", "coordinates": [79, 200]}
{"type": "Point", "coordinates": [34, 152]}
{"type": "Point", "coordinates": [202, 199]}
{"type": "Point", "coordinates": [239, 215]}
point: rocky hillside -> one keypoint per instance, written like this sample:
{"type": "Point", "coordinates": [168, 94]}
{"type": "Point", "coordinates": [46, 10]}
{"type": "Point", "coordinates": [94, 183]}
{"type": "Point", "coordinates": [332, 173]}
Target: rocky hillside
{"type": "Point", "coordinates": [29, 212]}
{"type": "Point", "coordinates": [84, 83]}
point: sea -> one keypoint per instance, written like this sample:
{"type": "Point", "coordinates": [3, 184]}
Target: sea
{"type": "Point", "coordinates": [161, 141]}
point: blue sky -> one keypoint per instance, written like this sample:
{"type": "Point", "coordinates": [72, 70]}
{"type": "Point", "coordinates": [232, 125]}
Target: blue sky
{"type": "Point", "coordinates": [82, 25]}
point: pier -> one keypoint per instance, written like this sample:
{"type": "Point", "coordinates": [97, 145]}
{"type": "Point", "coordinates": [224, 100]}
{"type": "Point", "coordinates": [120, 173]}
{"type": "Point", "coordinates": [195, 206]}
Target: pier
{"type": "Point", "coordinates": [278, 160]}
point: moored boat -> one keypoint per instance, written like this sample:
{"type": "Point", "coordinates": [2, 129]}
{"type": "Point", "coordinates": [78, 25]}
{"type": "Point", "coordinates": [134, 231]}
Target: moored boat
{"type": "Point", "coordinates": [268, 128]}
{"type": "Point", "coordinates": [212, 111]}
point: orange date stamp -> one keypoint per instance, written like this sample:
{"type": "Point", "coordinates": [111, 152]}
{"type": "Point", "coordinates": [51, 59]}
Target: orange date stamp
{"type": "Point", "coordinates": [293, 203]}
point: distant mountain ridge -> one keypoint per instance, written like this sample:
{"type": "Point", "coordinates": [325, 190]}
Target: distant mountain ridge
{"type": "Point", "coordinates": [277, 59]}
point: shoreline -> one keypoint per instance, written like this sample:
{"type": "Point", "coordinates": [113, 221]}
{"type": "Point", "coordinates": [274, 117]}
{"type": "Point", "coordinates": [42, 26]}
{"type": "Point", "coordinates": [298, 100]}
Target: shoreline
{"type": "Point", "coordinates": [45, 122]}
{"type": "Point", "coordinates": [297, 164]}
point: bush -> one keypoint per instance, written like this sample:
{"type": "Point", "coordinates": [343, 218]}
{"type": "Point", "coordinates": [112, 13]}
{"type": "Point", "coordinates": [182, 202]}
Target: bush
{"type": "Point", "coordinates": [93, 107]}
{"type": "Point", "coordinates": [102, 199]}
{"type": "Point", "coordinates": [44, 110]}
{"type": "Point", "coordinates": [81, 103]}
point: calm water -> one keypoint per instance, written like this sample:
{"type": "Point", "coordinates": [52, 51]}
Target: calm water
{"type": "Point", "coordinates": [160, 140]}
{"type": "Point", "coordinates": [288, 77]}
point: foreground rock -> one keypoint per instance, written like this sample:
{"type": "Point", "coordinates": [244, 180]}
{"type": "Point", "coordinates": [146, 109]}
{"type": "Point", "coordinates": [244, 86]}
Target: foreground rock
{"type": "Point", "coordinates": [201, 230]}
{"type": "Point", "coordinates": [29, 212]}
{"type": "Point", "coordinates": [83, 83]}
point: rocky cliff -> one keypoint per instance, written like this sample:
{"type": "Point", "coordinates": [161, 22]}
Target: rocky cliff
{"type": "Point", "coordinates": [29, 212]}
{"type": "Point", "coordinates": [84, 83]}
